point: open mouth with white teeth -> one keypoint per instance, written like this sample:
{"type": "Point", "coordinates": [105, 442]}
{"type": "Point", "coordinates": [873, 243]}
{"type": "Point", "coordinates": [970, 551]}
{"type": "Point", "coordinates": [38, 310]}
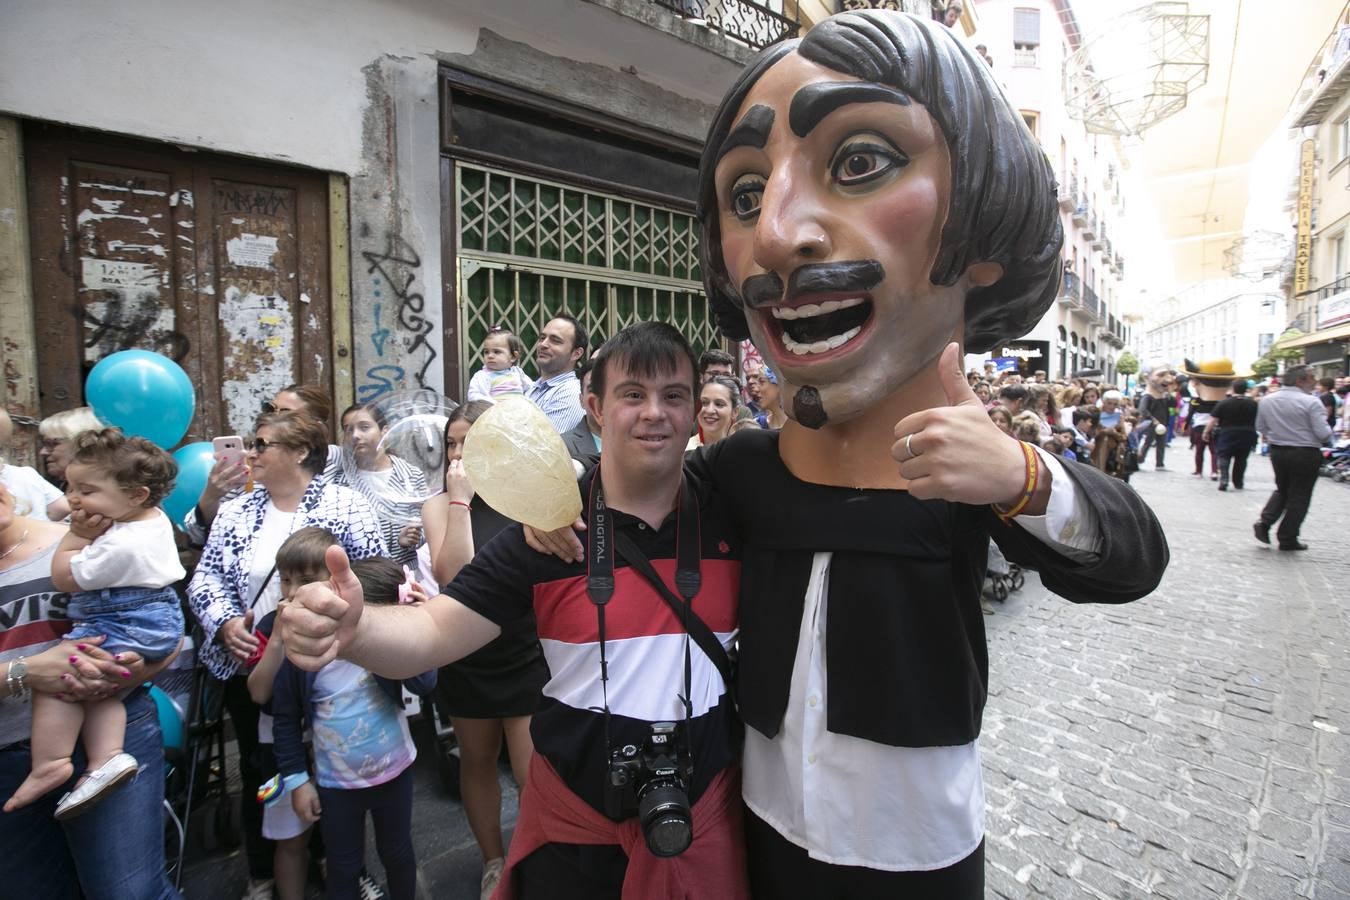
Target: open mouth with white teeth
{"type": "Point", "coordinates": [821, 327]}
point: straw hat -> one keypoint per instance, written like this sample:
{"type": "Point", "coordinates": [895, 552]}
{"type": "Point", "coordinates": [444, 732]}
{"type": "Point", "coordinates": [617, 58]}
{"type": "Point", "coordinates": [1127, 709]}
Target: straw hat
{"type": "Point", "coordinates": [1217, 372]}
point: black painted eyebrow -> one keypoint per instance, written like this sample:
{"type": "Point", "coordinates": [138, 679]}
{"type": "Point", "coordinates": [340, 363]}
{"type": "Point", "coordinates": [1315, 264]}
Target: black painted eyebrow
{"type": "Point", "coordinates": [816, 101]}
{"type": "Point", "coordinates": [751, 131]}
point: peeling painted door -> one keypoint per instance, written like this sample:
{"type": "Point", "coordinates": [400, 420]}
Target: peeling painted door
{"type": "Point", "coordinates": [217, 263]}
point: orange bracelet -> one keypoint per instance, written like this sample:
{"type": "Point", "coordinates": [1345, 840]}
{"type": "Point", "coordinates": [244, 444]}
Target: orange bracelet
{"type": "Point", "coordinates": [459, 503]}
{"type": "Point", "coordinates": [1028, 486]}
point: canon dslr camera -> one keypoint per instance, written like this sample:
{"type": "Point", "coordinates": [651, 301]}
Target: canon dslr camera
{"type": "Point", "coordinates": [652, 782]}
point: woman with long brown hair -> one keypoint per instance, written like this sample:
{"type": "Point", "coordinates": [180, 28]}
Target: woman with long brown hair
{"type": "Point", "coordinates": [492, 692]}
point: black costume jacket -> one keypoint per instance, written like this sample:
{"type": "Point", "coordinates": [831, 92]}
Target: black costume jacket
{"type": "Point", "coordinates": [905, 643]}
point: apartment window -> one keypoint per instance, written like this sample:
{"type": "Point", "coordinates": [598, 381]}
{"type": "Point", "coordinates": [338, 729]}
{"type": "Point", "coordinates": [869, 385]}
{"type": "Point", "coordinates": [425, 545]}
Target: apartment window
{"type": "Point", "coordinates": [1341, 139]}
{"type": "Point", "coordinates": [1032, 119]}
{"type": "Point", "coordinates": [1026, 36]}
{"type": "Point", "coordinates": [1337, 256]}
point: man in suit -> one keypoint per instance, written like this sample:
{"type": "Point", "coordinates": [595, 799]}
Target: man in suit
{"type": "Point", "coordinates": [583, 441]}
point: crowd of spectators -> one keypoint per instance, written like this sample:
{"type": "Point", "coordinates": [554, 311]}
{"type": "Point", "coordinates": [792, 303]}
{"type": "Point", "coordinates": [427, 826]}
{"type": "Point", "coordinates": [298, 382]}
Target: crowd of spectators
{"type": "Point", "coordinates": [299, 477]}
{"type": "Point", "coordinates": [296, 479]}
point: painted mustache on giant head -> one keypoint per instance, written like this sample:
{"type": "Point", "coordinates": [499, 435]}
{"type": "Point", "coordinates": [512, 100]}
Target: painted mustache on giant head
{"type": "Point", "coordinates": [854, 276]}
{"type": "Point", "coordinates": [849, 277]}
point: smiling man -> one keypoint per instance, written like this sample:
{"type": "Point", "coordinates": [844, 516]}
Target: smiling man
{"type": "Point", "coordinates": [562, 344]}
{"type": "Point", "coordinates": [629, 676]}
{"type": "Point", "coordinates": [871, 207]}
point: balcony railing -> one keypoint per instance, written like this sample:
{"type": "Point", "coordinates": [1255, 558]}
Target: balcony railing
{"type": "Point", "coordinates": [1082, 215]}
{"type": "Point", "coordinates": [1069, 289]}
{"type": "Point", "coordinates": [755, 24]}
{"type": "Point", "coordinates": [1068, 195]}
{"type": "Point", "coordinates": [1318, 294]}
{"type": "Point", "coordinates": [1091, 303]}
{"type": "Point", "coordinates": [1089, 227]}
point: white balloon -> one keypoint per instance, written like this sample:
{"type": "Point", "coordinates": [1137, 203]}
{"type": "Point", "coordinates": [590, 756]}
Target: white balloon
{"type": "Point", "coordinates": [519, 465]}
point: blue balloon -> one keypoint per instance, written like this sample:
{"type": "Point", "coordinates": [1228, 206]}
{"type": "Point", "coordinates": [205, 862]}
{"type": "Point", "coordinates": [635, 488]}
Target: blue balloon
{"type": "Point", "coordinates": [143, 394]}
{"type": "Point", "coordinates": [194, 466]}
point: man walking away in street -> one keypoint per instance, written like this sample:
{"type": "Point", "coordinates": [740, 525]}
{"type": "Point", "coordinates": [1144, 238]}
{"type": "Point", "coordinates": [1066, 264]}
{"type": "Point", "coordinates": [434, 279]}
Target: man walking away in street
{"type": "Point", "coordinates": [1294, 423]}
{"type": "Point", "coordinates": [1234, 419]}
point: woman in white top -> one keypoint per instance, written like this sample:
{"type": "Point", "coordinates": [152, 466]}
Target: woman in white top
{"type": "Point", "coordinates": [235, 583]}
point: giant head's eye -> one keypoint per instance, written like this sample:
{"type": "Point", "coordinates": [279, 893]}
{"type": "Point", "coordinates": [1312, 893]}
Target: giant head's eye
{"type": "Point", "coordinates": [747, 193]}
{"type": "Point", "coordinates": [859, 162]}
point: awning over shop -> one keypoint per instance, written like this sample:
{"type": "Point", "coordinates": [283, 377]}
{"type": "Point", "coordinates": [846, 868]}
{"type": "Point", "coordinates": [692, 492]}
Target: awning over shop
{"type": "Point", "coordinates": [1335, 333]}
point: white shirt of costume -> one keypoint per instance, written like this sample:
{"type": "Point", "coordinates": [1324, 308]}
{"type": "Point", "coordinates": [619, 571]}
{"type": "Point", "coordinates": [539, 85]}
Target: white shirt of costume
{"type": "Point", "coordinates": [130, 554]}
{"type": "Point", "coordinates": [853, 802]}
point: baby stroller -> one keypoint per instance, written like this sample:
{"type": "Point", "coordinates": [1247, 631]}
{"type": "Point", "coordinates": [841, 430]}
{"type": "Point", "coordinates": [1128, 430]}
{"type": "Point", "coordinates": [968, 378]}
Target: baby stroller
{"type": "Point", "coordinates": [190, 705]}
{"type": "Point", "coordinates": [1336, 462]}
{"type": "Point", "coordinates": [1003, 577]}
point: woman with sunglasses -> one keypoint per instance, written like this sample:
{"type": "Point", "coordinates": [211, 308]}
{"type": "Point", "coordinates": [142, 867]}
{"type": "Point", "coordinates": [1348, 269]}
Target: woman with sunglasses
{"type": "Point", "coordinates": [236, 584]}
{"type": "Point", "coordinates": [227, 481]}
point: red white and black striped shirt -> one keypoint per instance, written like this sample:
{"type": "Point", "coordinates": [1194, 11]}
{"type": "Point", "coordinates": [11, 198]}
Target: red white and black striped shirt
{"type": "Point", "coordinates": [644, 644]}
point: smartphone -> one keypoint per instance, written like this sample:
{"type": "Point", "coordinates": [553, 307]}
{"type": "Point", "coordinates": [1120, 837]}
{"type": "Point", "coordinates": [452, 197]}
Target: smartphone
{"type": "Point", "coordinates": [230, 448]}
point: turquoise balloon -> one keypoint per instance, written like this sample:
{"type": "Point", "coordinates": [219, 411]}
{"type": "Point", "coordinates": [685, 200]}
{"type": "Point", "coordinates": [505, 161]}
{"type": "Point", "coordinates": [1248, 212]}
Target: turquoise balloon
{"type": "Point", "coordinates": [194, 466]}
{"type": "Point", "coordinates": [142, 393]}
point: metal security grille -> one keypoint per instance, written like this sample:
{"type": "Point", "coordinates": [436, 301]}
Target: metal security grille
{"type": "Point", "coordinates": [530, 248]}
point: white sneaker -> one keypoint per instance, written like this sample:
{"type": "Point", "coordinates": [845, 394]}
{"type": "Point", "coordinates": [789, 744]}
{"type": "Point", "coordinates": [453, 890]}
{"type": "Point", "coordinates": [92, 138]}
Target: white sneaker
{"type": "Point", "coordinates": [368, 888]}
{"type": "Point", "coordinates": [96, 784]}
{"type": "Point", "coordinates": [258, 889]}
{"type": "Point", "coordinates": [492, 874]}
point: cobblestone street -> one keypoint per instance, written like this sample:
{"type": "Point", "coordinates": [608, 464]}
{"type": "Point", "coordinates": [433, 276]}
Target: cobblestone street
{"type": "Point", "coordinates": [1188, 745]}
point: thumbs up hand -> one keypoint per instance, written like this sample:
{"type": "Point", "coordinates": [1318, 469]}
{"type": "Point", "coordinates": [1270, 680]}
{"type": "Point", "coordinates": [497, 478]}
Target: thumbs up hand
{"type": "Point", "coordinates": [955, 452]}
{"type": "Point", "coordinates": [323, 616]}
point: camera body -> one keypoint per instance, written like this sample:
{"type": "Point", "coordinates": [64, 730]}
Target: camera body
{"type": "Point", "coordinates": [652, 783]}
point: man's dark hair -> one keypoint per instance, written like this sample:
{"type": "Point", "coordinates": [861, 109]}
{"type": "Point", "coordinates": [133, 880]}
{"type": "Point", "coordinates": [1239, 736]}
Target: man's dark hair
{"type": "Point", "coordinates": [1018, 392]}
{"type": "Point", "coordinates": [646, 350]}
{"type": "Point", "coordinates": [1294, 374]}
{"type": "Point", "coordinates": [715, 357]}
{"type": "Point", "coordinates": [1002, 206]}
{"type": "Point", "coordinates": [1327, 384]}
{"type": "Point", "coordinates": [1239, 385]}
{"type": "Point", "coordinates": [580, 337]}
{"type": "Point", "coordinates": [1084, 413]}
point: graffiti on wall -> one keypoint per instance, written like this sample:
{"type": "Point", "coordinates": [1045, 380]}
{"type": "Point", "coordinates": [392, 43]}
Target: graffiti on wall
{"type": "Point", "coordinates": [399, 320]}
{"type": "Point", "coordinates": [125, 321]}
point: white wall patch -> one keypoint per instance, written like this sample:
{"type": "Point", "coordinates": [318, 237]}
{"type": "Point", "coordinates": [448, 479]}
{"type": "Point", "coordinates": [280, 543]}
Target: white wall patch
{"type": "Point", "coordinates": [252, 251]}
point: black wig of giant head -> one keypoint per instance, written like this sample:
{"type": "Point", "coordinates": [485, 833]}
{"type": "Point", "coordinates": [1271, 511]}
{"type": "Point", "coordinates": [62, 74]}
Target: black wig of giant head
{"type": "Point", "coordinates": [1003, 205]}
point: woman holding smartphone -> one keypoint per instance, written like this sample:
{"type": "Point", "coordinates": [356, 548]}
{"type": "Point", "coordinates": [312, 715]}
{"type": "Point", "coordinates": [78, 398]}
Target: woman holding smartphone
{"type": "Point", "coordinates": [235, 583]}
{"type": "Point", "coordinates": [229, 477]}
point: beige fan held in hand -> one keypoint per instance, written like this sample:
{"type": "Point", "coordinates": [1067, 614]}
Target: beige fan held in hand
{"type": "Point", "coordinates": [519, 465]}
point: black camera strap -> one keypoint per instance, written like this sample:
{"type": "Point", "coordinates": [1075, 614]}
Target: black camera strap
{"type": "Point", "coordinates": [603, 539]}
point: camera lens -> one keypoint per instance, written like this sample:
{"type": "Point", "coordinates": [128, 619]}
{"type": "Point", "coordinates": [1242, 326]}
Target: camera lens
{"type": "Point", "coordinates": [667, 822]}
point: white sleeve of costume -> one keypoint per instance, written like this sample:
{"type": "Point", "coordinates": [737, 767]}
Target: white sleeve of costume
{"type": "Point", "coordinates": [1069, 525]}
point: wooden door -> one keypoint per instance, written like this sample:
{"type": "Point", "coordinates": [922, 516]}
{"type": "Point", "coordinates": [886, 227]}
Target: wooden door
{"type": "Point", "coordinates": [220, 264]}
